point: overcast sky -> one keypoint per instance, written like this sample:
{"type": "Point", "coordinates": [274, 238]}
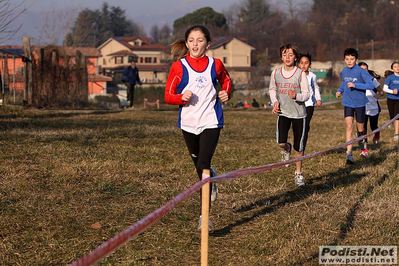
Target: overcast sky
{"type": "Point", "coordinates": [146, 12]}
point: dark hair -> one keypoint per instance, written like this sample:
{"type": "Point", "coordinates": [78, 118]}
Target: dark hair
{"type": "Point", "coordinates": [201, 28]}
{"type": "Point", "coordinates": [179, 49]}
{"type": "Point", "coordinates": [374, 74]}
{"type": "Point", "coordinates": [289, 46]}
{"type": "Point", "coordinates": [363, 64]}
{"type": "Point", "coordinates": [388, 73]}
{"type": "Point", "coordinates": [307, 55]}
{"type": "Point", "coordinates": [396, 62]}
{"type": "Point", "coordinates": [352, 52]}
{"type": "Point", "coordinates": [371, 72]}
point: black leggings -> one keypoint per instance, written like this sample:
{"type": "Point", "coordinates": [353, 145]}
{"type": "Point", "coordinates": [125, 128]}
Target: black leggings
{"type": "Point", "coordinates": [201, 148]}
{"type": "Point", "coordinates": [309, 114]}
{"type": "Point", "coordinates": [373, 123]}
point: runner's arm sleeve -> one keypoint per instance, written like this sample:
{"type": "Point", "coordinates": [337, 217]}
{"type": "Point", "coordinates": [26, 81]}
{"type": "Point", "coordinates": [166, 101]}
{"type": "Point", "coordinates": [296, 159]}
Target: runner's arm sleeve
{"type": "Point", "coordinates": [174, 78]}
{"type": "Point", "coordinates": [273, 88]}
{"type": "Point", "coordinates": [387, 89]}
{"type": "Point", "coordinates": [317, 94]}
{"type": "Point", "coordinates": [223, 76]}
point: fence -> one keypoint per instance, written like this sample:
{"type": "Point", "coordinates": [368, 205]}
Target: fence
{"type": "Point", "coordinates": [144, 223]}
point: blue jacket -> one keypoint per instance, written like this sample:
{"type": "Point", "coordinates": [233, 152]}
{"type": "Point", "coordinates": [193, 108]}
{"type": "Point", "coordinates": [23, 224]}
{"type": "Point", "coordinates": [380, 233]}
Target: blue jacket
{"type": "Point", "coordinates": [131, 75]}
{"type": "Point", "coordinates": [355, 97]}
{"type": "Point", "coordinates": [393, 83]}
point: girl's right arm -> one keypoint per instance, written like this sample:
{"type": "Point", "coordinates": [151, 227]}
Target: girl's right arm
{"type": "Point", "coordinates": [386, 86]}
{"type": "Point", "coordinates": [273, 88]}
{"type": "Point", "coordinates": [388, 90]}
{"type": "Point", "coordinates": [174, 78]}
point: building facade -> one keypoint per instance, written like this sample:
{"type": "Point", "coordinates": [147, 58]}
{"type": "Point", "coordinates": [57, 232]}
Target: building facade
{"type": "Point", "coordinates": [152, 58]}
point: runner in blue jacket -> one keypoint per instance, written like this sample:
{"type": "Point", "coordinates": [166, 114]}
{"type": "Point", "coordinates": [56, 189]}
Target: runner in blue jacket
{"type": "Point", "coordinates": [355, 82]}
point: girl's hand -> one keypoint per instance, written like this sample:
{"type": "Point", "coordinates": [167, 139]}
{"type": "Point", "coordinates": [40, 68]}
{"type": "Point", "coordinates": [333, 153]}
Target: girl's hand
{"type": "Point", "coordinates": [319, 103]}
{"type": "Point", "coordinates": [187, 96]}
{"type": "Point", "coordinates": [276, 108]}
{"type": "Point", "coordinates": [395, 91]}
{"type": "Point", "coordinates": [223, 96]}
{"type": "Point", "coordinates": [337, 94]}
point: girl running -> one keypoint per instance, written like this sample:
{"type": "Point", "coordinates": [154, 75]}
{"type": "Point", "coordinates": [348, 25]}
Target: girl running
{"type": "Point", "coordinates": [391, 86]}
{"type": "Point", "coordinates": [305, 62]}
{"type": "Point", "coordinates": [373, 108]}
{"type": "Point", "coordinates": [192, 85]}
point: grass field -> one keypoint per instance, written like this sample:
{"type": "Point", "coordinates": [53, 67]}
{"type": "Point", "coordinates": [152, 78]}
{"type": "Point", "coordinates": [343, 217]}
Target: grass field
{"type": "Point", "coordinates": [63, 171]}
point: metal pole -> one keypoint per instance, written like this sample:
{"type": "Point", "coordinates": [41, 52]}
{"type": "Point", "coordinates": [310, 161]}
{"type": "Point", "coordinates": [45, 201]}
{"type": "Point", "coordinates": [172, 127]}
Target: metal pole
{"type": "Point", "coordinates": [13, 76]}
{"type": "Point", "coordinates": [2, 78]}
{"type": "Point", "coordinates": [372, 54]}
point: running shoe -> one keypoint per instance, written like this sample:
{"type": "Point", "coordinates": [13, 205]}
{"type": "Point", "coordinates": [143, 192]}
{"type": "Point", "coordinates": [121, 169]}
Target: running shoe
{"type": "Point", "coordinates": [376, 138]}
{"type": "Point", "coordinates": [396, 137]}
{"type": "Point", "coordinates": [215, 190]}
{"type": "Point", "coordinates": [365, 153]}
{"type": "Point", "coordinates": [286, 155]}
{"type": "Point", "coordinates": [363, 144]}
{"type": "Point", "coordinates": [349, 159]}
{"type": "Point", "coordinates": [200, 224]}
{"type": "Point", "coordinates": [299, 179]}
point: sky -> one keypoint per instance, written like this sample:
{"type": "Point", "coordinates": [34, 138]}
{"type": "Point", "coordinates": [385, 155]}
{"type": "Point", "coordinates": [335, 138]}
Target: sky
{"type": "Point", "coordinates": [145, 12]}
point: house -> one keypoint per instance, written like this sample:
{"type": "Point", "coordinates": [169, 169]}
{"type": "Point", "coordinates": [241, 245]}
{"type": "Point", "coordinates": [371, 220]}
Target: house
{"type": "Point", "coordinates": [13, 57]}
{"type": "Point", "coordinates": [152, 58]}
{"type": "Point", "coordinates": [235, 54]}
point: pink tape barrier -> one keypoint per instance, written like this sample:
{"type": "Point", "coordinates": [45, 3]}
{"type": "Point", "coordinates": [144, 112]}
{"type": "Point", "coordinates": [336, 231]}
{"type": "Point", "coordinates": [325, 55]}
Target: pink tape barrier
{"type": "Point", "coordinates": [141, 225]}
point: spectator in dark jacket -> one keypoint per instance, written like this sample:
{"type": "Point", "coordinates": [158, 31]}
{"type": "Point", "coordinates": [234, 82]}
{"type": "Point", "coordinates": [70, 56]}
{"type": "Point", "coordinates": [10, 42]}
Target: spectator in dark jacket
{"type": "Point", "coordinates": [255, 103]}
{"type": "Point", "coordinates": [131, 77]}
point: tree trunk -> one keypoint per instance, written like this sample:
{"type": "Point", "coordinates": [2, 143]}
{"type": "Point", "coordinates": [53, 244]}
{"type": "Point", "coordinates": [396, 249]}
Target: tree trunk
{"type": "Point", "coordinates": [28, 77]}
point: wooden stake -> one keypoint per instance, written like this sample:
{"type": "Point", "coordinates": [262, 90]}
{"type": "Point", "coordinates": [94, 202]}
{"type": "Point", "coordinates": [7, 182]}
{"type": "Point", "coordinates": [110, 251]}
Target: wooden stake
{"type": "Point", "coordinates": [205, 218]}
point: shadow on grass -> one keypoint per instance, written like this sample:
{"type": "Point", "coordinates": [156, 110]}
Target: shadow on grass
{"type": "Point", "coordinates": [350, 218]}
{"type": "Point", "coordinates": [341, 177]}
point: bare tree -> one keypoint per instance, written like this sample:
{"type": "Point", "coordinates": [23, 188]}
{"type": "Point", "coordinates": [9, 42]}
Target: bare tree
{"type": "Point", "coordinates": [8, 15]}
{"type": "Point", "coordinates": [155, 33]}
{"type": "Point", "coordinates": [55, 23]}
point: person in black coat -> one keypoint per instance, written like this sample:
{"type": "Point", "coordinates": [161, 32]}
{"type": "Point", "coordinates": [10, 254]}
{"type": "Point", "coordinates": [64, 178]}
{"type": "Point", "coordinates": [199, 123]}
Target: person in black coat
{"type": "Point", "coordinates": [255, 103]}
{"type": "Point", "coordinates": [131, 76]}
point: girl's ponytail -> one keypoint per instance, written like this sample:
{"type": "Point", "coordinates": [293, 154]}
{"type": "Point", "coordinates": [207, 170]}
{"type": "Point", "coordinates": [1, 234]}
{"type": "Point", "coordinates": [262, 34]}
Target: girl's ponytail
{"type": "Point", "coordinates": [179, 49]}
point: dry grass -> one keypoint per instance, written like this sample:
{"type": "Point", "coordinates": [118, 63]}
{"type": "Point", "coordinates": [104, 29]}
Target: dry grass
{"type": "Point", "coordinates": [61, 172]}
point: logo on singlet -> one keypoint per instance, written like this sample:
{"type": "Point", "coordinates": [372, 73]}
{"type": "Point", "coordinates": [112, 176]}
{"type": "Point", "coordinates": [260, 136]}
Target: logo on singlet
{"type": "Point", "coordinates": [201, 82]}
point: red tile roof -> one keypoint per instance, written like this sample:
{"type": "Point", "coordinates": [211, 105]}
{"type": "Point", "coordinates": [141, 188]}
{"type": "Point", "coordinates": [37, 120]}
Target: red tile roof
{"type": "Point", "coordinates": [147, 45]}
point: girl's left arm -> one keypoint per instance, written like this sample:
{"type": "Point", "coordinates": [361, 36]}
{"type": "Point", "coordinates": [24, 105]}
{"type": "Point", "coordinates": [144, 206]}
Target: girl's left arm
{"type": "Point", "coordinates": [317, 94]}
{"type": "Point", "coordinates": [223, 76]}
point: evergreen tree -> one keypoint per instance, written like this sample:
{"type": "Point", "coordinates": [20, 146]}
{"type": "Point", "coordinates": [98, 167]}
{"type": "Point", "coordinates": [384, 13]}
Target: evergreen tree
{"type": "Point", "coordinates": [92, 28]}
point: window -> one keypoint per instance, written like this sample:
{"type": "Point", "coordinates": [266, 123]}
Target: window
{"type": "Point", "coordinates": [119, 60]}
{"type": "Point", "coordinates": [141, 60]}
{"type": "Point", "coordinates": [224, 60]}
{"type": "Point", "coordinates": [225, 46]}
{"type": "Point", "coordinates": [132, 59]}
{"type": "Point", "coordinates": [155, 60]}
{"type": "Point", "coordinates": [148, 59]}
{"type": "Point", "coordinates": [104, 61]}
